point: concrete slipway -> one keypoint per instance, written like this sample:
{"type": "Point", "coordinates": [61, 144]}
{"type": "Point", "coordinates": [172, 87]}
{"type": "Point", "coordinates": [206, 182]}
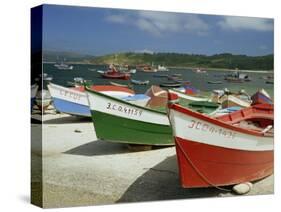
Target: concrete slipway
{"type": "Point", "coordinates": [80, 170]}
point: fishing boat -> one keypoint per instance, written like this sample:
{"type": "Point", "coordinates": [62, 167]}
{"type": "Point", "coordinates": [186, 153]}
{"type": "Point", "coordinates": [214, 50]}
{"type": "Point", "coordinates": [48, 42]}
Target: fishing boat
{"type": "Point", "coordinates": [162, 68]}
{"type": "Point", "coordinates": [113, 73]}
{"type": "Point", "coordinates": [205, 107]}
{"type": "Point", "coordinates": [139, 82]}
{"type": "Point", "coordinates": [234, 100]}
{"type": "Point", "coordinates": [138, 99]}
{"type": "Point", "coordinates": [214, 152]}
{"type": "Point", "coordinates": [158, 97]}
{"type": "Point", "coordinates": [174, 78]}
{"type": "Point", "coordinates": [182, 94]}
{"type": "Point", "coordinates": [43, 100]}
{"type": "Point", "coordinates": [119, 84]}
{"type": "Point", "coordinates": [34, 89]}
{"type": "Point", "coordinates": [200, 71]}
{"type": "Point", "coordinates": [170, 84]}
{"type": "Point", "coordinates": [74, 101]}
{"type": "Point", "coordinates": [133, 71]}
{"type": "Point", "coordinates": [119, 121]}
{"type": "Point", "coordinates": [63, 66]}
{"type": "Point", "coordinates": [223, 111]}
{"type": "Point", "coordinates": [214, 82]}
{"type": "Point", "coordinates": [100, 71]}
{"type": "Point", "coordinates": [261, 97]}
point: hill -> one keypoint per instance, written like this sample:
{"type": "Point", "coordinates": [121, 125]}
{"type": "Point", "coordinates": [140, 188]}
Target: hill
{"type": "Point", "coordinates": [225, 60]}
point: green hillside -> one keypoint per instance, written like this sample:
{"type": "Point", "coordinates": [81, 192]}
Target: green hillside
{"type": "Point", "coordinates": [224, 61]}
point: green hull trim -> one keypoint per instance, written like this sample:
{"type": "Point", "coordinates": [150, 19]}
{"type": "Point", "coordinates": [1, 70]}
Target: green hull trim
{"type": "Point", "coordinates": [122, 130]}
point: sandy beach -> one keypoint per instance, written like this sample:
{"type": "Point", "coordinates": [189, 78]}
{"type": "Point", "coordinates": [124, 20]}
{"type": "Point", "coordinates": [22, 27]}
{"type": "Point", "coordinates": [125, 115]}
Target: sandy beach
{"type": "Point", "coordinates": [80, 170]}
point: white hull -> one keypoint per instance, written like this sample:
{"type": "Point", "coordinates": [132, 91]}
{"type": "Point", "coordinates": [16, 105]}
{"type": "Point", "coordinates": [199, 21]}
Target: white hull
{"type": "Point", "coordinates": [78, 97]}
{"type": "Point", "coordinates": [187, 97]}
{"type": "Point", "coordinates": [123, 109]}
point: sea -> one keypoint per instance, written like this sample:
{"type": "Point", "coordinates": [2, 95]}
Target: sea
{"type": "Point", "coordinates": [197, 80]}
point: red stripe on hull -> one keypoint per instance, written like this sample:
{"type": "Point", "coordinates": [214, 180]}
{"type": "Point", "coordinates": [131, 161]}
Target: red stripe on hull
{"type": "Point", "coordinates": [203, 165]}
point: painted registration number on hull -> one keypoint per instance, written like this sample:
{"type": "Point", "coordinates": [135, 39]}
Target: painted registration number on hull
{"type": "Point", "coordinates": [124, 109]}
{"type": "Point", "coordinates": [204, 127]}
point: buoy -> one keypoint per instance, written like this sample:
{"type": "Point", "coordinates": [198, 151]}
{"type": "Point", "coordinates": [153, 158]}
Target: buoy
{"type": "Point", "coordinates": [242, 188]}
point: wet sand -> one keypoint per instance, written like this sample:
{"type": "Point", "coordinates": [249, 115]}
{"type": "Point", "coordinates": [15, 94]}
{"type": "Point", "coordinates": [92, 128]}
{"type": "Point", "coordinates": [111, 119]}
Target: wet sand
{"type": "Point", "coordinates": [80, 170]}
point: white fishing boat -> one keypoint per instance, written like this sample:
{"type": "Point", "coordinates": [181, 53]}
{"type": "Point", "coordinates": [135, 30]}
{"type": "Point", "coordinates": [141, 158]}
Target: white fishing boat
{"type": "Point", "coordinates": [74, 101]}
{"type": "Point", "coordinates": [188, 97]}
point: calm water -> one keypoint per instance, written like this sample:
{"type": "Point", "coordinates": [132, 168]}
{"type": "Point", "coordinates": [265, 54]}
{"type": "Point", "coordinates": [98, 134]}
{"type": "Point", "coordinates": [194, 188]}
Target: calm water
{"type": "Point", "coordinates": [198, 80]}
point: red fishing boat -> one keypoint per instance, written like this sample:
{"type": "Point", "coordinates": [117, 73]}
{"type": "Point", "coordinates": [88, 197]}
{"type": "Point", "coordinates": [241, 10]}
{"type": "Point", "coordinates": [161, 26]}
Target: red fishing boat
{"type": "Point", "coordinates": [228, 150]}
{"type": "Point", "coordinates": [113, 73]}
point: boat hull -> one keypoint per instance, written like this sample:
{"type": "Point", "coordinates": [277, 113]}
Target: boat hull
{"type": "Point", "coordinates": [74, 101]}
{"type": "Point", "coordinates": [120, 121]}
{"type": "Point", "coordinates": [260, 98]}
{"type": "Point", "coordinates": [71, 108]}
{"type": "Point", "coordinates": [213, 153]}
{"type": "Point", "coordinates": [121, 130]}
{"type": "Point", "coordinates": [220, 166]}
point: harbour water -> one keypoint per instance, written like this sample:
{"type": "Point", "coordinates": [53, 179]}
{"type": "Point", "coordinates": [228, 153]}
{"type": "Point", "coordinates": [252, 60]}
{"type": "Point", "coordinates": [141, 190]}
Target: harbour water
{"type": "Point", "coordinates": [197, 80]}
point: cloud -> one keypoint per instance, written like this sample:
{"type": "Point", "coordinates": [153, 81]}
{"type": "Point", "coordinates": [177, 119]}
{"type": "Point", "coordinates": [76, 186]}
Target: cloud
{"type": "Point", "coordinates": [162, 23]}
{"type": "Point", "coordinates": [245, 23]}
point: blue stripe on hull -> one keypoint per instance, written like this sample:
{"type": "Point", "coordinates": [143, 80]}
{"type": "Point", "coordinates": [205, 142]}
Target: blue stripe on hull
{"type": "Point", "coordinates": [265, 99]}
{"type": "Point", "coordinates": [71, 108]}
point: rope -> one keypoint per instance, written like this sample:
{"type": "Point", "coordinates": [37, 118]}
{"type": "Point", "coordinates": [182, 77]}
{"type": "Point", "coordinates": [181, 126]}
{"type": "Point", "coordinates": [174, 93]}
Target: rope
{"type": "Point", "coordinates": [189, 160]}
{"type": "Point", "coordinates": [197, 170]}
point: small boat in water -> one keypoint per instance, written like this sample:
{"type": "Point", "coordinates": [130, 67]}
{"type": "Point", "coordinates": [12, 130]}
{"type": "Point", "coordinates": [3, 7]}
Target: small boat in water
{"type": "Point", "coordinates": [119, 84]}
{"type": "Point", "coordinates": [139, 82]}
{"type": "Point", "coordinates": [261, 97]}
{"type": "Point", "coordinates": [113, 73]}
{"type": "Point", "coordinates": [227, 150]}
{"type": "Point", "coordinates": [63, 66]}
{"type": "Point", "coordinates": [170, 85]}
{"type": "Point", "coordinates": [162, 68]}
{"type": "Point", "coordinates": [74, 101]}
{"type": "Point", "coordinates": [214, 82]}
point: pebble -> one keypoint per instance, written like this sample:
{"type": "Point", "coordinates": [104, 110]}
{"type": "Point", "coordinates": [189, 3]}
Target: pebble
{"type": "Point", "coordinates": [242, 188]}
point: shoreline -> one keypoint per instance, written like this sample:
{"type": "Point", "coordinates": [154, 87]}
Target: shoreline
{"type": "Point", "coordinates": [178, 67]}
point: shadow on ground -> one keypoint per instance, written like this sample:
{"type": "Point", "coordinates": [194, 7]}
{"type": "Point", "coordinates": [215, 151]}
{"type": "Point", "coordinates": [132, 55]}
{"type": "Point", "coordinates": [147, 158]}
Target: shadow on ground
{"type": "Point", "coordinates": [68, 120]}
{"type": "Point", "coordinates": [162, 183]}
{"type": "Point", "coordinates": [101, 147]}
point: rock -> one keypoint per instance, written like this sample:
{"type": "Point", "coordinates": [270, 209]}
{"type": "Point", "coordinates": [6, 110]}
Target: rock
{"type": "Point", "coordinates": [242, 188]}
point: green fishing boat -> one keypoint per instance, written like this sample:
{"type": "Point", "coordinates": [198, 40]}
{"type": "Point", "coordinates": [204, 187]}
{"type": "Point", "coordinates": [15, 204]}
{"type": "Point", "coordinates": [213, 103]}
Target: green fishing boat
{"type": "Point", "coordinates": [119, 121]}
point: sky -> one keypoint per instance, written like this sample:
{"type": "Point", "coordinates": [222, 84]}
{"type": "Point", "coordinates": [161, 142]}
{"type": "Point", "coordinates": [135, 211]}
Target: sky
{"type": "Point", "coordinates": [100, 31]}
